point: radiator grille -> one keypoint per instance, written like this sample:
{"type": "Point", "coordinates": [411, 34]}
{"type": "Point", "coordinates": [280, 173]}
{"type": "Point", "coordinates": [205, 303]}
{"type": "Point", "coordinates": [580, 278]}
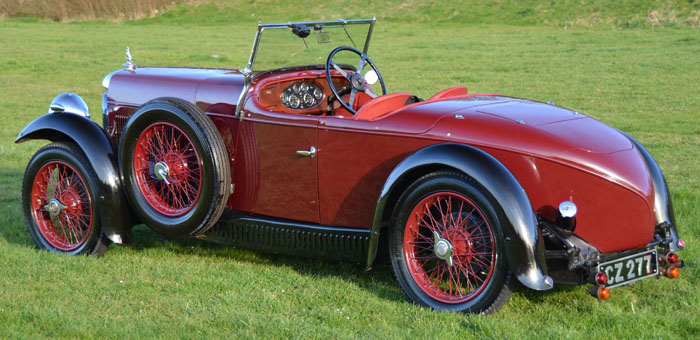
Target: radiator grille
{"type": "Point", "coordinates": [115, 131]}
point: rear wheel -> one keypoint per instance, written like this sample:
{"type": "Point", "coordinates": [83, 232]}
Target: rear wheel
{"type": "Point", "coordinates": [175, 167]}
{"type": "Point", "coordinates": [446, 247]}
{"type": "Point", "coordinates": [59, 200]}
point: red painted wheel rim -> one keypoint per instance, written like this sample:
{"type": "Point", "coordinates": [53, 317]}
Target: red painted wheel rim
{"type": "Point", "coordinates": [167, 144]}
{"type": "Point", "coordinates": [56, 184]}
{"type": "Point", "coordinates": [458, 220]}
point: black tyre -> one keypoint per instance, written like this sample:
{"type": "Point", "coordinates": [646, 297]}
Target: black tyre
{"type": "Point", "coordinates": [175, 167]}
{"type": "Point", "coordinates": [446, 245]}
{"type": "Point", "coordinates": [59, 197]}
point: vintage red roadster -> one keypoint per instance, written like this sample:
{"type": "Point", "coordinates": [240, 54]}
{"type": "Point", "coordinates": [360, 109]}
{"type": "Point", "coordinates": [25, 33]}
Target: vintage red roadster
{"type": "Point", "coordinates": [462, 193]}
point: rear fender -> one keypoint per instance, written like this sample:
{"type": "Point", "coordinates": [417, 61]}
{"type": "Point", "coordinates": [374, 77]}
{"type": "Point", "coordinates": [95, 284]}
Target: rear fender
{"type": "Point", "coordinates": [116, 216]}
{"type": "Point", "coordinates": [663, 207]}
{"type": "Point", "coordinates": [524, 246]}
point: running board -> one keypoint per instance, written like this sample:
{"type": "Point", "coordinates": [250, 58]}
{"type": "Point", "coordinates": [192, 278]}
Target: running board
{"type": "Point", "coordinates": [290, 237]}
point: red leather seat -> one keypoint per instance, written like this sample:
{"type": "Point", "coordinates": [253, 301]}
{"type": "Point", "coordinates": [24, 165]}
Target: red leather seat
{"type": "Point", "coordinates": [382, 105]}
{"type": "Point", "coordinates": [451, 92]}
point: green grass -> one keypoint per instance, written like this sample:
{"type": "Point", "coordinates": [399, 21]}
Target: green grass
{"type": "Point", "coordinates": [643, 81]}
{"type": "Point", "coordinates": [573, 13]}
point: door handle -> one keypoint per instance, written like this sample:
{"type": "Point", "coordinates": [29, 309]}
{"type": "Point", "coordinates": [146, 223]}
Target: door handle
{"type": "Point", "coordinates": [311, 153]}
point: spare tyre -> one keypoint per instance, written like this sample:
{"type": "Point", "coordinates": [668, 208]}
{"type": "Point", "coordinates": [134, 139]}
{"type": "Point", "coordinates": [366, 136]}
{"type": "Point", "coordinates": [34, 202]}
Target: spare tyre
{"type": "Point", "coordinates": [175, 167]}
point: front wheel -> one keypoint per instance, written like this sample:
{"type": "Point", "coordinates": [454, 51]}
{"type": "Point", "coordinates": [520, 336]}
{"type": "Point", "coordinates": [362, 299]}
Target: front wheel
{"type": "Point", "coordinates": [446, 247]}
{"type": "Point", "coordinates": [59, 197]}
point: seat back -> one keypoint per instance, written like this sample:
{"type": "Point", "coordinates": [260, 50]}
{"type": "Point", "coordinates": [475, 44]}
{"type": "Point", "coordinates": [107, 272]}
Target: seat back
{"type": "Point", "coordinates": [382, 105]}
{"type": "Point", "coordinates": [451, 92]}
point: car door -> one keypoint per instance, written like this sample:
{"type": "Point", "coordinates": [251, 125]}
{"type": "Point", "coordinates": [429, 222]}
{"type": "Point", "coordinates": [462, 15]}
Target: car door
{"type": "Point", "coordinates": [276, 166]}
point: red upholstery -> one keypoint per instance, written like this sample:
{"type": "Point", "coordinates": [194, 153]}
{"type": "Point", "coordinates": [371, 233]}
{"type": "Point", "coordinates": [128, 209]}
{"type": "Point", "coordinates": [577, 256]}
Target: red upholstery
{"type": "Point", "coordinates": [451, 92]}
{"type": "Point", "coordinates": [382, 105]}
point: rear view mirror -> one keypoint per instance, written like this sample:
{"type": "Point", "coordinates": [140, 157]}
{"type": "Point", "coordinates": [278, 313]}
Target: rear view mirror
{"type": "Point", "coordinates": [323, 37]}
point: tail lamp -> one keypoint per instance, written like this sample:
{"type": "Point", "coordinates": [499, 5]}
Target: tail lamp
{"type": "Point", "coordinates": [672, 258]}
{"type": "Point", "coordinates": [600, 292]}
{"type": "Point", "coordinates": [672, 272]}
{"type": "Point", "coordinates": [601, 278]}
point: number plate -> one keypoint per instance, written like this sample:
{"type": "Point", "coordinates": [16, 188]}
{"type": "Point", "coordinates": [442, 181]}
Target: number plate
{"type": "Point", "coordinates": [630, 268]}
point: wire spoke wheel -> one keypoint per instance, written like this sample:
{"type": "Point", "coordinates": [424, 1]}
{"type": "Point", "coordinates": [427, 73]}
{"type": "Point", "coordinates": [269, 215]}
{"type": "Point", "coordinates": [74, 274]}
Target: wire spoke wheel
{"type": "Point", "coordinates": [167, 169]}
{"type": "Point", "coordinates": [175, 166]}
{"type": "Point", "coordinates": [446, 246]}
{"type": "Point", "coordinates": [61, 206]}
{"type": "Point", "coordinates": [449, 247]}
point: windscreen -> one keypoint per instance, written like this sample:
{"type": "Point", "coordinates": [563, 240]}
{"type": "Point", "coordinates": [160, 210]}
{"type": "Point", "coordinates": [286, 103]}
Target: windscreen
{"type": "Point", "coordinates": [280, 47]}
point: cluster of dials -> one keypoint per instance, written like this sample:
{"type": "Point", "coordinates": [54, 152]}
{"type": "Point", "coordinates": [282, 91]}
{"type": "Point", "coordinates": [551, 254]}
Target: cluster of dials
{"type": "Point", "coordinates": [301, 95]}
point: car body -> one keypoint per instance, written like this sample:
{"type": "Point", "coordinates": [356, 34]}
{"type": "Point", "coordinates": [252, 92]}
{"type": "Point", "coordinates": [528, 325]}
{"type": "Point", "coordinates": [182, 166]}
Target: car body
{"type": "Point", "coordinates": [461, 192]}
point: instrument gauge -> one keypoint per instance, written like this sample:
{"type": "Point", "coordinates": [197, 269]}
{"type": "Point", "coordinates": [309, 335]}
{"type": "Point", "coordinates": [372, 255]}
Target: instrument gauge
{"type": "Point", "coordinates": [318, 94]}
{"type": "Point", "coordinates": [301, 95]}
{"type": "Point", "coordinates": [309, 100]}
{"type": "Point", "coordinates": [294, 101]}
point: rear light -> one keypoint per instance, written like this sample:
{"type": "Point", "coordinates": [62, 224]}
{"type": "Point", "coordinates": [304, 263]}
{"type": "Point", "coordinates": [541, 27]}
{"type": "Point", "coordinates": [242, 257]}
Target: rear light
{"type": "Point", "coordinates": [601, 278]}
{"type": "Point", "coordinates": [600, 292]}
{"type": "Point", "coordinates": [672, 258]}
{"type": "Point", "coordinates": [672, 272]}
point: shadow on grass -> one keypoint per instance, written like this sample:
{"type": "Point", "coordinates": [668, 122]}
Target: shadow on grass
{"type": "Point", "coordinates": [537, 297]}
{"type": "Point", "coordinates": [13, 227]}
{"type": "Point", "coordinates": [379, 280]}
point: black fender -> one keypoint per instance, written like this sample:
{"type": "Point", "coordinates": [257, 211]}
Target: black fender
{"type": "Point", "coordinates": [524, 246]}
{"type": "Point", "coordinates": [116, 216]}
{"type": "Point", "coordinates": [663, 207]}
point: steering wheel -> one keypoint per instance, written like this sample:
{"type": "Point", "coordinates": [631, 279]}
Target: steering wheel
{"type": "Point", "coordinates": [357, 83]}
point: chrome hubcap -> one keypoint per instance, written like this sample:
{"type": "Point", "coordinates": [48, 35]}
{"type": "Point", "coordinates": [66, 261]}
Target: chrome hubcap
{"type": "Point", "coordinates": [443, 248]}
{"type": "Point", "coordinates": [161, 171]}
{"type": "Point", "coordinates": [54, 207]}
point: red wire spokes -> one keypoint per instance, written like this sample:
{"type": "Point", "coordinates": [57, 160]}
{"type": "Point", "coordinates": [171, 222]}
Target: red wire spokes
{"type": "Point", "coordinates": [459, 221]}
{"type": "Point", "coordinates": [61, 205]}
{"type": "Point", "coordinates": [164, 147]}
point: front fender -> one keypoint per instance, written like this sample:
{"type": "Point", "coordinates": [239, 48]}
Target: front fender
{"type": "Point", "coordinates": [524, 247]}
{"type": "Point", "coordinates": [117, 220]}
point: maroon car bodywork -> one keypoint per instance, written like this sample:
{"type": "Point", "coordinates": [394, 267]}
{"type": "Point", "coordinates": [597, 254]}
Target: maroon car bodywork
{"type": "Point", "coordinates": [461, 193]}
{"type": "Point", "coordinates": [556, 154]}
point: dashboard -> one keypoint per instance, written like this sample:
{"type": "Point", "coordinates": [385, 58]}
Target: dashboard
{"type": "Point", "coordinates": [304, 92]}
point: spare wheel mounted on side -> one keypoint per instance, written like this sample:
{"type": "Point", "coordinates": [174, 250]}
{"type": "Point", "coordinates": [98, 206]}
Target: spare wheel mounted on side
{"type": "Point", "coordinates": [175, 167]}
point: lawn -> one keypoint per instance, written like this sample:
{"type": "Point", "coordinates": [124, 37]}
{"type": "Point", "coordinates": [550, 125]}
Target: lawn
{"type": "Point", "coordinates": [644, 81]}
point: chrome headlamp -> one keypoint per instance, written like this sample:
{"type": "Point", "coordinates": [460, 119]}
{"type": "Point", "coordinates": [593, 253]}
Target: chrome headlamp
{"type": "Point", "coordinates": [69, 103]}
